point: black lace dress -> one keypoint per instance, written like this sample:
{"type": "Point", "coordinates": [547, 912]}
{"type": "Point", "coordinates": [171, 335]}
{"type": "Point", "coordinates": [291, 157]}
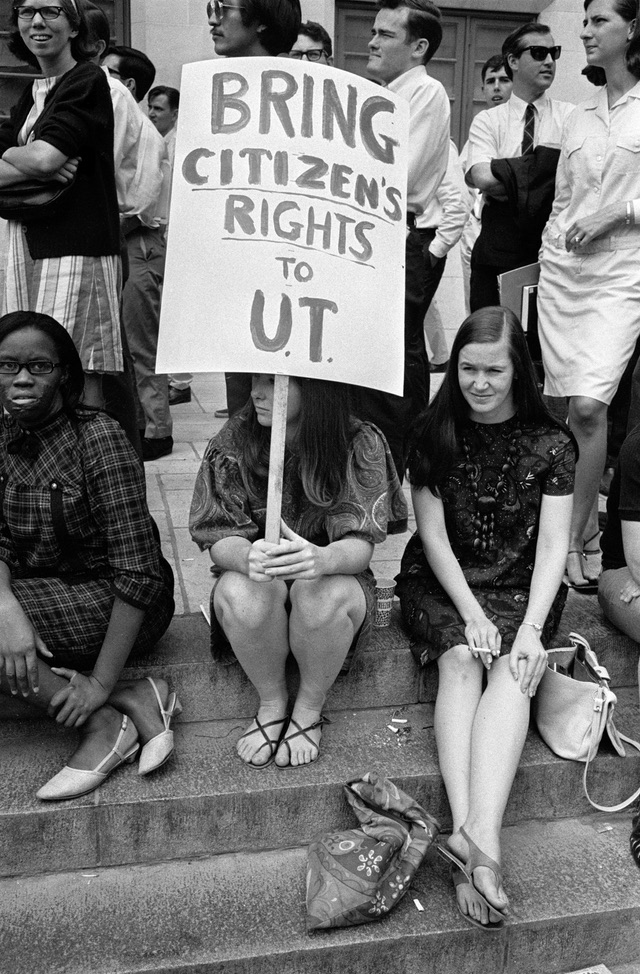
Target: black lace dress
{"type": "Point", "coordinates": [492, 499]}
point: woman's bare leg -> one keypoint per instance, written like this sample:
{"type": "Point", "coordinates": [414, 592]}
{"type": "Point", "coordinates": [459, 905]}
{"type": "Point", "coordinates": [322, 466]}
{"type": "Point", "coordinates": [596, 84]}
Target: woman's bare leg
{"type": "Point", "coordinates": [588, 422]}
{"type": "Point", "coordinates": [326, 613]}
{"type": "Point", "coordinates": [254, 619]}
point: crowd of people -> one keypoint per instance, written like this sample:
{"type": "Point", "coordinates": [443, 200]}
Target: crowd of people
{"type": "Point", "coordinates": [504, 481]}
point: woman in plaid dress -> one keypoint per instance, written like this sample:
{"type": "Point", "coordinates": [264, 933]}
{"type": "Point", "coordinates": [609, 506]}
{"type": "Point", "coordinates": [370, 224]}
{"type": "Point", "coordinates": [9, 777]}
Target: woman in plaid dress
{"type": "Point", "coordinates": [83, 585]}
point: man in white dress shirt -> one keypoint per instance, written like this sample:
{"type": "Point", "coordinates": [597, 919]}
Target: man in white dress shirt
{"type": "Point", "coordinates": [530, 118]}
{"type": "Point", "coordinates": [405, 36]}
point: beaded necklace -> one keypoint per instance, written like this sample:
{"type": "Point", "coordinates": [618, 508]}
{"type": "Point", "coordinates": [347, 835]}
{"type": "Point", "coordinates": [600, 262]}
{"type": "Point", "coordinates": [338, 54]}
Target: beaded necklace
{"type": "Point", "coordinates": [486, 504]}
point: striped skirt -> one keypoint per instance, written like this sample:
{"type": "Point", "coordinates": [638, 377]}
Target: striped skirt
{"type": "Point", "coordinates": [82, 293]}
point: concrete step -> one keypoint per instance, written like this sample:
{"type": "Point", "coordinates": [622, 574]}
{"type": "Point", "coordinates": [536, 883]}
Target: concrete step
{"type": "Point", "coordinates": [206, 801]}
{"type": "Point", "coordinates": [574, 890]}
{"type": "Point", "coordinates": [383, 675]}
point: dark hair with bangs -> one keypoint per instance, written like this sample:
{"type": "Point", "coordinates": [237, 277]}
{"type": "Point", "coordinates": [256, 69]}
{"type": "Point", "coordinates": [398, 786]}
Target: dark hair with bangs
{"type": "Point", "coordinates": [436, 437]}
{"type": "Point", "coordinates": [281, 20]}
{"type": "Point", "coordinates": [83, 46]}
{"type": "Point", "coordinates": [494, 63]}
{"type": "Point", "coordinates": [424, 20]}
{"type": "Point", "coordinates": [317, 33]}
{"type": "Point", "coordinates": [324, 438]}
{"type": "Point", "coordinates": [73, 383]}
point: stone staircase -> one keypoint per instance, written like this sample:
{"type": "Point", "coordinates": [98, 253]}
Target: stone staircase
{"type": "Point", "coordinates": [200, 868]}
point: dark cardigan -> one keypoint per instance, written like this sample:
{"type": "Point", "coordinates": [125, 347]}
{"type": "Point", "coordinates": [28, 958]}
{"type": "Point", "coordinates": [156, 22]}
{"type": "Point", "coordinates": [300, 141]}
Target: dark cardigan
{"type": "Point", "coordinates": [77, 119]}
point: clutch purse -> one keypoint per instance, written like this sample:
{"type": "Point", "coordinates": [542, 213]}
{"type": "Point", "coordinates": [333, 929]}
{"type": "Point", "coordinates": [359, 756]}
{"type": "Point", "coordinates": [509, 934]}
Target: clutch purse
{"type": "Point", "coordinates": [32, 200]}
{"type": "Point", "coordinates": [574, 707]}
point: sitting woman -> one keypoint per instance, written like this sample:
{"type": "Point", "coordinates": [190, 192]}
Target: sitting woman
{"type": "Point", "coordinates": [481, 581]}
{"type": "Point", "coordinates": [312, 594]}
{"type": "Point", "coordinates": [83, 585]}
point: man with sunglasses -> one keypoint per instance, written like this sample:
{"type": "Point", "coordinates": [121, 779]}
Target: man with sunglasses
{"type": "Point", "coordinates": [514, 129]}
{"type": "Point", "coordinates": [250, 28]}
{"type": "Point", "coordinates": [313, 44]}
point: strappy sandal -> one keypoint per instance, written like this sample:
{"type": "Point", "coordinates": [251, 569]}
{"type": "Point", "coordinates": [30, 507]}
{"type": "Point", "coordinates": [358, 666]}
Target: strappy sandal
{"type": "Point", "coordinates": [302, 732]}
{"type": "Point", "coordinates": [477, 858]}
{"type": "Point", "coordinates": [156, 751]}
{"type": "Point", "coordinates": [459, 878]}
{"type": "Point", "coordinates": [273, 743]}
{"type": "Point", "coordinates": [591, 551]}
{"type": "Point", "coordinates": [589, 587]}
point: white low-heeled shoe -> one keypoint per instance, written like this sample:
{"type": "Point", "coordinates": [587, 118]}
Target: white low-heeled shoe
{"type": "Point", "coordinates": [74, 782]}
{"type": "Point", "coordinates": [156, 751]}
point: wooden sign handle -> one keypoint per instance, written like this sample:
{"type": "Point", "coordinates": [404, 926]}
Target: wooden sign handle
{"type": "Point", "coordinates": [276, 458]}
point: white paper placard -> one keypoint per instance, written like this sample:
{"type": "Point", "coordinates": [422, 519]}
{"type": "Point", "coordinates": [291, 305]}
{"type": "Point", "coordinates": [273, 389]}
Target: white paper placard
{"type": "Point", "coordinates": [287, 231]}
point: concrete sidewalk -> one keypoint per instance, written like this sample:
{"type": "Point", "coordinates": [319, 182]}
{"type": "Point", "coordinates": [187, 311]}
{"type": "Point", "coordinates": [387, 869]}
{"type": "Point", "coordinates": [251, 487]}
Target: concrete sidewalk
{"type": "Point", "coordinates": [170, 488]}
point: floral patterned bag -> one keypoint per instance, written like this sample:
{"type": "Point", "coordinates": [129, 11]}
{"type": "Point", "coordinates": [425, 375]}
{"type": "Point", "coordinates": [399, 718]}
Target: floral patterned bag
{"type": "Point", "coordinates": [359, 875]}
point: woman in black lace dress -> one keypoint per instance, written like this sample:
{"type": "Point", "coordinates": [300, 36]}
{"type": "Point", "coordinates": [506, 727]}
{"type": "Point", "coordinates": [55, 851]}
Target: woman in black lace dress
{"type": "Point", "coordinates": [481, 580]}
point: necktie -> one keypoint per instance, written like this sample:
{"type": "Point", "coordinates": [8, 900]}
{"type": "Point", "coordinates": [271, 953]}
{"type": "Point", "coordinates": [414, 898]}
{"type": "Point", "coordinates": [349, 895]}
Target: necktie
{"type": "Point", "coordinates": [529, 128]}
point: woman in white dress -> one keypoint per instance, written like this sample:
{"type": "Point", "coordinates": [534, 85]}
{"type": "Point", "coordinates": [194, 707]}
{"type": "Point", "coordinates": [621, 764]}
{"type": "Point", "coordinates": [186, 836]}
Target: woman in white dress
{"type": "Point", "coordinates": [589, 295]}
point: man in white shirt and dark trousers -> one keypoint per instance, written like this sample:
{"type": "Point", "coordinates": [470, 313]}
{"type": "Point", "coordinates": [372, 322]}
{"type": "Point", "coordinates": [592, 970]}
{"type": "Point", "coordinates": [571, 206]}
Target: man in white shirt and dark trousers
{"type": "Point", "coordinates": [530, 118]}
{"type": "Point", "coordinates": [144, 234]}
{"type": "Point", "coordinates": [405, 36]}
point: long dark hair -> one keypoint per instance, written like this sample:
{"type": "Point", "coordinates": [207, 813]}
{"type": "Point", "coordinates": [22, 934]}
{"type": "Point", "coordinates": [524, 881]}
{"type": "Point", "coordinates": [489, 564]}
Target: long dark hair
{"type": "Point", "coordinates": [83, 45]}
{"type": "Point", "coordinates": [628, 10]}
{"type": "Point", "coordinates": [72, 385]}
{"type": "Point", "coordinates": [322, 443]}
{"type": "Point", "coordinates": [437, 434]}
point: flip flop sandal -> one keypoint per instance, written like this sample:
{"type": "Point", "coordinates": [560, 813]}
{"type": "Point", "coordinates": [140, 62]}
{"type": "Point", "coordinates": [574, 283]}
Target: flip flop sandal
{"type": "Point", "coordinates": [302, 732]}
{"type": "Point", "coordinates": [589, 587]}
{"type": "Point", "coordinates": [477, 858]}
{"type": "Point", "coordinates": [272, 743]}
{"type": "Point", "coordinates": [459, 878]}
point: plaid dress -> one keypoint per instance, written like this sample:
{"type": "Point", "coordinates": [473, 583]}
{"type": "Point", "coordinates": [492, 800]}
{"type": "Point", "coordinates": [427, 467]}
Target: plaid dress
{"type": "Point", "coordinates": [76, 532]}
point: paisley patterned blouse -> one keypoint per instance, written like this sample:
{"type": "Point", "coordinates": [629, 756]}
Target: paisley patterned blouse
{"type": "Point", "coordinates": [225, 502]}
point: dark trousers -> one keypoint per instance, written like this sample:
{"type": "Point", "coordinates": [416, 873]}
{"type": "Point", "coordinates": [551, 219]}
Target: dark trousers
{"type": "Point", "coordinates": [393, 415]}
{"type": "Point", "coordinates": [433, 268]}
{"type": "Point", "coordinates": [484, 291]}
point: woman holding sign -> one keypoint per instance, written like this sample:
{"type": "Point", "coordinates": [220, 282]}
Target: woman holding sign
{"type": "Point", "coordinates": [481, 580]}
{"type": "Point", "coordinates": [312, 594]}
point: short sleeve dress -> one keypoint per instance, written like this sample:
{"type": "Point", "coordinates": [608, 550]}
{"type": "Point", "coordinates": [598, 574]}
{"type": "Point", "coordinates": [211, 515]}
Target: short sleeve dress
{"type": "Point", "coordinates": [76, 532]}
{"type": "Point", "coordinates": [492, 499]}
{"type": "Point", "coordinates": [227, 503]}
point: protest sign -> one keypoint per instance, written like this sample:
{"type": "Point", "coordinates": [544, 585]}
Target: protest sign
{"type": "Point", "coordinates": [287, 229]}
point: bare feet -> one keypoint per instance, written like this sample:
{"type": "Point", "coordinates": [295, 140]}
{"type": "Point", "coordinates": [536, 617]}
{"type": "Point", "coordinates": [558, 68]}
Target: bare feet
{"type": "Point", "coordinates": [485, 881]}
{"type": "Point", "coordinates": [577, 570]}
{"type": "Point", "coordinates": [301, 748]}
{"type": "Point", "coordinates": [254, 747]}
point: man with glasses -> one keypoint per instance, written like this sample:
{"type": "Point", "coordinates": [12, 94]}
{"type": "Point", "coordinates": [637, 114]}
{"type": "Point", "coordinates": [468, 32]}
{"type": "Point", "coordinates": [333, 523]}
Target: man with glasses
{"type": "Point", "coordinates": [530, 118]}
{"type": "Point", "coordinates": [313, 44]}
{"type": "Point", "coordinates": [250, 28]}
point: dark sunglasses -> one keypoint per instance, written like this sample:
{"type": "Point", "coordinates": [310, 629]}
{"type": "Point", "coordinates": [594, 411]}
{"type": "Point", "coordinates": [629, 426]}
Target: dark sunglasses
{"type": "Point", "coordinates": [539, 53]}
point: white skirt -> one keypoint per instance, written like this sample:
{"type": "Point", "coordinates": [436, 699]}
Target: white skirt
{"type": "Point", "coordinates": [589, 318]}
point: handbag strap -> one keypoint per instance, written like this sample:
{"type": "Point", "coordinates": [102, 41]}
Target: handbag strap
{"type": "Point", "coordinates": [597, 729]}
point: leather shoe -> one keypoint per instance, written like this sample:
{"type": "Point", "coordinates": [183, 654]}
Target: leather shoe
{"type": "Point", "coordinates": [154, 449]}
{"type": "Point", "coordinates": [74, 782]}
{"type": "Point", "coordinates": [222, 413]}
{"type": "Point", "coordinates": [157, 750]}
{"type": "Point", "coordinates": [440, 367]}
{"type": "Point", "coordinates": [176, 396]}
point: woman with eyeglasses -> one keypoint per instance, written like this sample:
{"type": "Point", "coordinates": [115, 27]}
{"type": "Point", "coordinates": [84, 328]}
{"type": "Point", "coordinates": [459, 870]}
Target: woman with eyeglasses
{"type": "Point", "coordinates": [83, 585]}
{"type": "Point", "coordinates": [61, 130]}
{"type": "Point", "coordinates": [589, 293]}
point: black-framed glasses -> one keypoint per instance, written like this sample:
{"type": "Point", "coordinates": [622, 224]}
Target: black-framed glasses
{"type": "Point", "coordinates": [313, 55]}
{"type": "Point", "coordinates": [217, 8]}
{"type": "Point", "coordinates": [540, 53]}
{"type": "Point", "coordinates": [47, 13]}
{"type": "Point", "coordinates": [37, 367]}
